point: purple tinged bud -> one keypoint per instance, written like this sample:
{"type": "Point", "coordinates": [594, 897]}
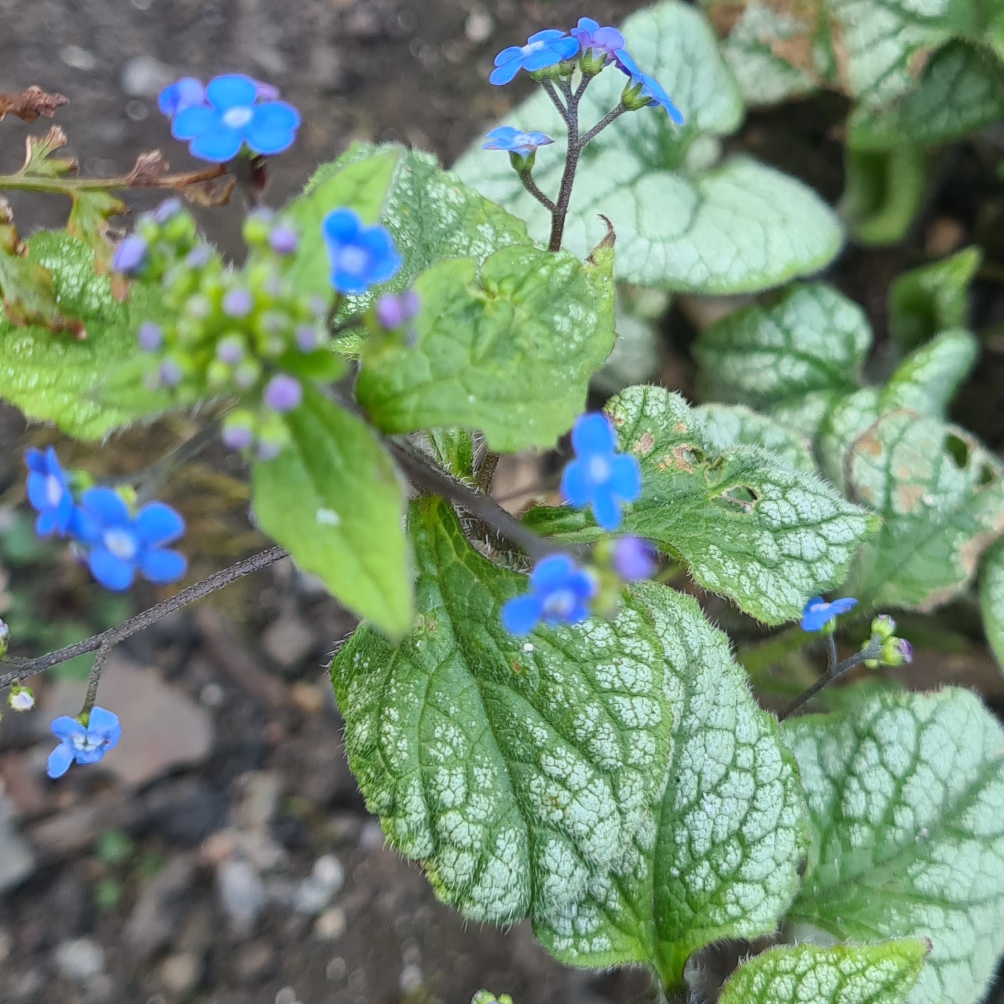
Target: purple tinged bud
{"type": "Point", "coordinates": [150, 336]}
{"type": "Point", "coordinates": [170, 373]}
{"type": "Point", "coordinates": [633, 558]}
{"type": "Point", "coordinates": [283, 240]}
{"type": "Point", "coordinates": [237, 303]}
{"type": "Point", "coordinates": [198, 257]}
{"type": "Point", "coordinates": [307, 338]}
{"type": "Point", "coordinates": [268, 451]}
{"type": "Point", "coordinates": [246, 375]}
{"type": "Point", "coordinates": [393, 311]}
{"type": "Point", "coordinates": [318, 306]}
{"type": "Point", "coordinates": [265, 92]}
{"type": "Point", "coordinates": [167, 209]}
{"type": "Point", "coordinates": [129, 254]}
{"type": "Point", "coordinates": [905, 650]}
{"type": "Point", "coordinates": [283, 393]}
{"type": "Point", "coordinates": [237, 437]}
{"type": "Point", "coordinates": [230, 350]}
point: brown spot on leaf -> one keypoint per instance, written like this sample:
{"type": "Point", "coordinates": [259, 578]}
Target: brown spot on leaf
{"type": "Point", "coordinates": [870, 445]}
{"type": "Point", "coordinates": [30, 103]}
{"type": "Point", "coordinates": [725, 16]}
{"type": "Point", "coordinates": [908, 496]}
{"type": "Point", "coordinates": [643, 444]}
{"type": "Point", "coordinates": [680, 427]}
{"type": "Point", "coordinates": [917, 61]}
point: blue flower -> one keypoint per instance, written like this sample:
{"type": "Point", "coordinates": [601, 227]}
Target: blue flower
{"type": "Point", "coordinates": [544, 49]}
{"type": "Point", "coordinates": [48, 492]}
{"type": "Point", "coordinates": [818, 613]}
{"type": "Point", "coordinates": [185, 93]}
{"type": "Point", "coordinates": [515, 140]}
{"type": "Point", "coordinates": [599, 477]}
{"type": "Point", "coordinates": [360, 256]}
{"type": "Point", "coordinates": [120, 543]}
{"type": "Point", "coordinates": [649, 87]}
{"type": "Point", "coordinates": [85, 744]}
{"type": "Point", "coordinates": [633, 558]}
{"type": "Point", "coordinates": [559, 593]}
{"type": "Point", "coordinates": [231, 118]}
{"type": "Point", "coordinates": [591, 36]}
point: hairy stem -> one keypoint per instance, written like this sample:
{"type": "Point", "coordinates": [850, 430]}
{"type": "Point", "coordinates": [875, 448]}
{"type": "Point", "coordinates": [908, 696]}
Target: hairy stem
{"type": "Point", "coordinates": [21, 669]}
{"type": "Point", "coordinates": [835, 671]}
{"type": "Point", "coordinates": [67, 186]}
{"type": "Point", "coordinates": [602, 124]}
{"type": "Point", "coordinates": [531, 186]}
{"type": "Point", "coordinates": [94, 679]}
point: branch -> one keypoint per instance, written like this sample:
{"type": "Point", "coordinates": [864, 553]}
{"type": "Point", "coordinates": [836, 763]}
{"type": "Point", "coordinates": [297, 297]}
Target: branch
{"type": "Point", "coordinates": [531, 186]}
{"type": "Point", "coordinates": [833, 672]}
{"type": "Point", "coordinates": [602, 124]}
{"type": "Point", "coordinates": [21, 669]}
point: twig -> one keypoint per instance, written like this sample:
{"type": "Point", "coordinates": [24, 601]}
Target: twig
{"type": "Point", "coordinates": [94, 679]}
{"type": "Point", "coordinates": [21, 669]}
{"type": "Point", "coordinates": [531, 186]}
{"type": "Point", "coordinates": [553, 95]}
{"type": "Point", "coordinates": [602, 124]}
{"type": "Point", "coordinates": [833, 672]}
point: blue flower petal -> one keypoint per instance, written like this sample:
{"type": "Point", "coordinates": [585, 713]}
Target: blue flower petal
{"type": "Point", "coordinates": [842, 605]}
{"type": "Point", "coordinates": [551, 573]}
{"type": "Point", "coordinates": [587, 24]}
{"type": "Point", "coordinates": [106, 505]}
{"type": "Point", "coordinates": [231, 90]}
{"type": "Point", "coordinates": [341, 226]}
{"type": "Point", "coordinates": [272, 128]}
{"type": "Point", "coordinates": [157, 523]}
{"type": "Point", "coordinates": [35, 460]}
{"type": "Point", "coordinates": [593, 433]}
{"type": "Point", "coordinates": [64, 511]}
{"type": "Point", "coordinates": [86, 757]}
{"type": "Point", "coordinates": [65, 727]}
{"type": "Point", "coordinates": [59, 760]}
{"type": "Point", "coordinates": [606, 511]}
{"type": "Point", "coordinates": [583, 584]}
{"type": "Point", "coordinates": [625, 477]}
{"type": "Point", "coordinates": [194, 121]}
{"type": "Point", "coordinates": [113, 573]}
{"type": "Point", "coordinates": [38, 491]}
{"type": "Point", "coordinates": [521, 614]}
{"type": "Point", "coordinates": [218, 145]}
{"type": "Point", "coordinates": [578, 613]}
{"type": "Point", "coordinates": [46, 523]}
{"type": "Point", "coordinates": [83, 526]}
{"type": "Point", "coordinates": [162, 565]}
{"type": "Point", "coordinates": [510, 55]}
{"type": "Point", "coordinates": [564, 48]}
{"type": "Point", "coordinates": [344, 282]}
{"type": "Point", "coordinates": [505, 73]}
{"type": "Point", "coordinates": [547, 35]}
{"type": "Point", "coordinates": [575, 484]}
{"type": "Point", "coordinates": [182, 94]}
{"type": "Point", "coordinates": [104, 722]}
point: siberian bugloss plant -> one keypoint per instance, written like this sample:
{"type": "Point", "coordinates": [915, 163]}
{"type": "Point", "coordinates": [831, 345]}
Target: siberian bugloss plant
{"type": "Point", "coordinates": [538, 714]}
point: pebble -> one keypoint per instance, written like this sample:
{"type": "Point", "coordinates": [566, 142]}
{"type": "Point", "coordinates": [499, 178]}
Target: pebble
{"type": "Point", "coordinates": [371, 837]}
{"type": "Point", "coordinates": [288, 640]}
{"type": "Point", "coordinates": [17, 860]}
{"type": "Point", "coordinates": [181, 973]}
{"type": "Point", "coordinates": [80, 960]}
{"type": "Point", "coordinates": [6, 946]}
{"type": "Point", "coordinates": [145, 77]}
{"type": "Point", "coordinates": [287, 995]}
{"type": "Point", "coordinates": [479, 26]}
{"type": "Point", "coordinates": [78, 58]}
{"type": "Point", "coordinates": [155, 916]}
{"type": "Point", "coordinates": [317, 890]}
{"type": "Point", "coordinates": [261, 798]}
{"type": "Point", "coordinates": [242, 895]}
{"type": "Point", "coordinates": [331, 924]}
{"type": "Point", "coordinates": [410, 979]}
{"type": "Point", "coordinates": [254, 961]}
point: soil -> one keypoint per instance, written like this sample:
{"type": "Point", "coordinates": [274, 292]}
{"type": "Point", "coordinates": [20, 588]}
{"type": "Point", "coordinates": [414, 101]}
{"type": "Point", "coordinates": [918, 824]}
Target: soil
{"type": "Point", "coordinates": [383, 70]}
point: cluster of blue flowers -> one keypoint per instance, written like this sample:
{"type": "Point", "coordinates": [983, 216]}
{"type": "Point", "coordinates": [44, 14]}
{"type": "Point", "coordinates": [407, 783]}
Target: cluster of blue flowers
{"type": "Point", "coordinates": [552, 52]}
{"type": "Point", "coordinates": [230, 113]}
{"type": "Point", "coordinates": [599, 479]}
{"type": "Point", "coordinates": [115, 542]}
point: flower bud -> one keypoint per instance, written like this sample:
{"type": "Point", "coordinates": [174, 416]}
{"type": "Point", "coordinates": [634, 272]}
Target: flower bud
{"type": "Point", "coordinates": [238, 430]}
{"type": "Point", "coordinates": [4, 638]}
{"type": "Point", "coordinates": [129, 255]}
{"type": "Point", "coordinates": [150, 336]}
{"type": "Point", "coordinates": [167, 209]}
{"type": "Point", "coordinates": [633, 99]}
{"type": "Point", "coordinates": [247, 374]}
{"type": "Point", "coordinates": [21, 699]}
{"type": "Point", "coordinates": [237, 303]}
{"type": "Point", "coordinates": [169, 373]}
{"type": "Point", "coordinates": [218, 374]}
{"type": "Point", "coordinates": [308, 338]}
{"type": "Point", "coordinates": [282, 393]}
{"type": "Point", "coordinates": [230, 350]}
{"type": "Point", "coordinates": [257, 226]}
{"type": "Point", "coordinates": [199, 256]}
{"type": "Point", "coordinates": [394, 311]}
{"type": "Point", "coordinates": [883, 627]}
{"type": "Point", "coordinates": [283, 240]}
{"type": "Point", "coordinates": [633, 558]}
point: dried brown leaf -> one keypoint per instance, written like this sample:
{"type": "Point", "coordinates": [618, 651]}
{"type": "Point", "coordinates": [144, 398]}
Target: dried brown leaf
{"type": "Point", "coordinates": [31, 103]}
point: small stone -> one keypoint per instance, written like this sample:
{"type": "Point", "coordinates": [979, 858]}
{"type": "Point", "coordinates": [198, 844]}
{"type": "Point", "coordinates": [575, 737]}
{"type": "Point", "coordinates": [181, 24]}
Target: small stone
{"type": "Point", "coordinates": [362, 22]}
{"type": "Point", "coordinates": [80, 960]}
{"type": "Point", "coordinates": [255, 961]}
{"type": "Point", "coordinates": [336, 969]}
{"type": "Point", "coordinates": [410, 979]}
{"type": "Point", "coordinates": [212, 695]}
{"type": "Point", "coordinates": [181, 973]}
{"type": "Point", "coordinates": [242, 895]}
{"type": "Point", "coordinates": [78, 58]}
{"type": "Point", "coordinates": [479, 26]}
{"type": "Point", "coordinates": [6, 946]}
{"type": "Point", "coordinates": [308, 698]}
{"type": "Point", "coordinates": [287, 995]}
{"type": "Point", "coordinates": [17, 860]}
{"type": "Point", "coordinates": [145, 77]}
{"type": "Point", "coordinates": [326, 67]}
{"type": "Point", "coordinates": [217, 847]}
{"type": "Point", "coordinates": [371, 837]}
{"type": "Point", "coordinates": [288, 640]}
{"type": "Point", "coordinates": [329, 872]}
{"type": "Point", "coordinates": [261, 798]}
{"type": "Point", "coordinates": [331, 924]}
{"type": "Point", "coordinates": [155, 916]}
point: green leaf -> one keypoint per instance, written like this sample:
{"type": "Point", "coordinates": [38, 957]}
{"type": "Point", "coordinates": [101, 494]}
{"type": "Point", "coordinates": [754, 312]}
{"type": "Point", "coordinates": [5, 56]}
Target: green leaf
{"type": "Point", "coordinates": [613, 780]}
{"type": "Point", "coordinates": [883, 192]}
{"type": "Point", "coordinates": [332, 499]}
{"type": "Point", "coordinates": [940, 495]}
{"type": "Point", "coordinates": [508, 351]}
{"type": "Point", "coordinates": [731, 425]}
{"type": "Point", "coordinates": [925, 382]}
{"type": "Point", "coordinates": [931, 299]}
{"type": "Point", "coordinates": [960, 91]}
{"type": "Point", "coordinates": [808, 339]}
{"type": "Point", "coordinates": [51, 377]}
{"type": "Point", "coordinates": [765, 534]}
{"type": "Point", "coordinates": [430, 214]}
{"type": "Point", "coordinates": [992, 599]}
{"type": "Point", "coordinates": [867, 974]}
{"type": "Point", "coordinates": [454, 450]}
{"type": "Point", "coordinates": [904, 795]}
{"type": "Point", "coordinates": [681, 224]}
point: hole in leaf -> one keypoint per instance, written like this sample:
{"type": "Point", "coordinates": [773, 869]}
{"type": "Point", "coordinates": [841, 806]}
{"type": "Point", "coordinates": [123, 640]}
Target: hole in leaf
{"type": "Point", "coordinates": [741, 496]}
{"type": "Point", "coordinates": [957, 449]}
{"type": "Point", "coordinates": [987, 476]}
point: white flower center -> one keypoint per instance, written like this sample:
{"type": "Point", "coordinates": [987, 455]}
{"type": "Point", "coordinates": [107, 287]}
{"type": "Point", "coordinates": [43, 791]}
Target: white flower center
{"type": "Point", "coordinates": [121, 543]}
{"type": "Point", "coordinates": [53, 490]}
{"type": "Point", "coordinates": [533, 47]}
{"type": "Point", "coordinates": [352, 260]}
{"type": "Point", "coordinates": [599, 470]}
{"type": "Point", "coordinates": [85, 742]}
{"type": "Point", "coordinates": [237, 117]}
{"type": "Point", "coordinates": [559, 604]}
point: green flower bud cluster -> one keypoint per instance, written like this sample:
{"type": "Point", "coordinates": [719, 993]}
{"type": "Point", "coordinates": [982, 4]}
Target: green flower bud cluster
{"type": "Point", "coordinates": [892, 651]}
{"type": "Point", "coordinates": [243, 334]}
